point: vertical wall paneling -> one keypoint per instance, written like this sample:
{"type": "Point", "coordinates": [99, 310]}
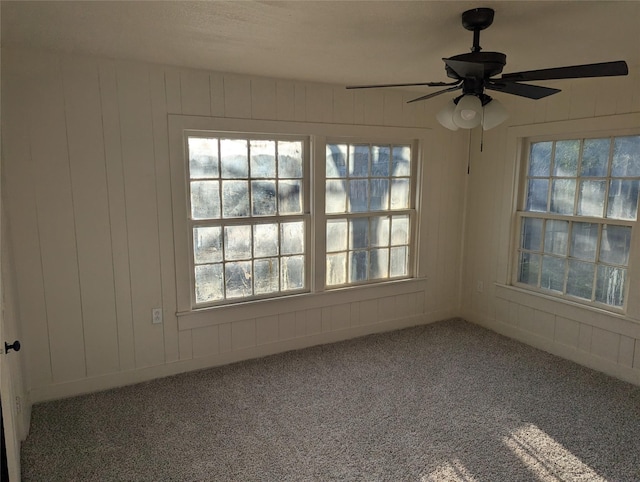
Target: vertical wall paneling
{"type": "Point", "coordinates": [313, 321]}
{"type": "Point", "coordinates": [299, 103]}
{"type": "Point", "coordinates": [117, 212]}
{"type": "Point", "coordinates": [237, 96]}
{"type": "Point", "coordinates": [583, 98]}
{"type": "Point", "coordinates": [373, 106]}
{"type": "Point", "coordinates": [285, 100]}
{"type": "Point", "coordinates": [319, 103]}
{"type": "Point", "coordinates": [267, 329]}
{"type": "Point", "coordinates": [194, 93]}
{"type": "Point", "coordinates": [136, 132]}
{"type": "Point", "coordinates": [287, 326]}
{"type": "Point", "coordinates": [216, 89]}
{"type": "Point", "coordinates": [392, 108]}
{"type": "Point", "coordinates": [165, 209]}
{"type": "Point", "coordinates": [243, 334]}
{"type": "Point", "coordinates": [172, 80]}
{"type": "Point", "coordinates": [263, 98]}
{"type": "Point", "coordinates": [18, 188]}
{"type": "Point", "coordinates": [343, 105]}
{"type": "Point", "coordinates": [205, 341]}
{"type": "Point", "coordinates": [358, 106]}
{"type": "Point", "coordinates": [224, 337]}
{"type": "Point", "coordinates": [185, 344]}
{"type": "Point", "coordinates": [56, 221]}
{"type": "Point", "coordinates": [91, 214]}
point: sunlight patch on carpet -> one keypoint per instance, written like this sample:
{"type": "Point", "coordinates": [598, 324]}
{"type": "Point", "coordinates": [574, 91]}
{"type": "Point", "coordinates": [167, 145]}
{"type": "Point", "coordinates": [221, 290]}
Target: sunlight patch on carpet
{"type": "Point", "coordinates": [546, 458]}
{"type": "Point", "coordinates": [453, 471]}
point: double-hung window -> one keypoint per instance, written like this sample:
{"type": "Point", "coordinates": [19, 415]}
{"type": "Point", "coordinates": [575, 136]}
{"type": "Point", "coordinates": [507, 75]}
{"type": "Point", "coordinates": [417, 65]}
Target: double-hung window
{"type": "Point", "coordinates": [248, 222]}
{"type": "Point", "coordinates": [369, 212]}
{"type": "Point", "coordinates": [577, 217]}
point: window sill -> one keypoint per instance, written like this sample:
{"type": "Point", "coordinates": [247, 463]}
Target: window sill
{"type": "Point", "coordinates": [591, 315]}
{"type": "Point", "coordinates": [216, 315]}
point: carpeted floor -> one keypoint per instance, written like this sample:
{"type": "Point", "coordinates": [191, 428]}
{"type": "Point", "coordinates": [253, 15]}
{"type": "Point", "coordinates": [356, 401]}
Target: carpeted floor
{"type": "Point", "coordinates": [447, 401]}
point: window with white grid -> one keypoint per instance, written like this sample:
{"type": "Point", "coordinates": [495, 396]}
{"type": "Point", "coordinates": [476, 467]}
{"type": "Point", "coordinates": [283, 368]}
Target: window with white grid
{"type": "Point", "coordinates": [577, 218]}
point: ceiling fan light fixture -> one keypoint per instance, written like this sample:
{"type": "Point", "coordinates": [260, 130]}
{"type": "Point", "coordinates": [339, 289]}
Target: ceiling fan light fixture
{"type": "Point", "coordinates": [494, 114]}
{"type": "Point", "coordinates": [468, 112]}
{"type": "Point", "coordinates": [445, 116]}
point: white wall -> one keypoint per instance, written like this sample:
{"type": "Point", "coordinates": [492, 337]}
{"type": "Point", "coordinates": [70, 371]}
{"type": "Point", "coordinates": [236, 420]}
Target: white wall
{"type": "Point", "coordinates": [88, 193]}
{"type": "Point", "coordinates": [608, 343]}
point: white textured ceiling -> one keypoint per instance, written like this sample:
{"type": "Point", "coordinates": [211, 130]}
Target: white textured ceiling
{"type": "Point", "coordinates": [340, 42]}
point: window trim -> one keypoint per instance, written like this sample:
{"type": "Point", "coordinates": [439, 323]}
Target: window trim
{"type": "Point", "coordinates": [518, 139]}
{"type": "Point", "coordinates": [317, 133]}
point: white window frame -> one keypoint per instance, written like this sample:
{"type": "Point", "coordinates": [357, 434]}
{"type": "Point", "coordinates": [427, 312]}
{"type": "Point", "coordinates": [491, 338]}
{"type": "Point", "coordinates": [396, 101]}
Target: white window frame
{"type": "Point", "coordinates": [568, 130]}
{"type": "Point", "coordinates": [190, 315]}
{"type": "Point", "coordinates": [410, 211]}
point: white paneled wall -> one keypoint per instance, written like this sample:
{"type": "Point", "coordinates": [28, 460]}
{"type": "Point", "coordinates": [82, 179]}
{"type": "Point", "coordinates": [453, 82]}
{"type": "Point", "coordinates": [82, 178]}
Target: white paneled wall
{"type": "Point", "coordinates": [609, 343]}
{"type": "Point", "coordinates": [87, 188]}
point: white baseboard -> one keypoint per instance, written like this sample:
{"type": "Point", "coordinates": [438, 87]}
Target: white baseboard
{"type": "Point", "coordinates": [119, 379]}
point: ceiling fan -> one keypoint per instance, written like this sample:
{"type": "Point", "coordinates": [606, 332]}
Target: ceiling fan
{"type": "Point", "coordinates": [476, 72]}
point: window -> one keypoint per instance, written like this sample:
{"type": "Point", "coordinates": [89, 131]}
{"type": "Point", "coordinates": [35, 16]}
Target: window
{"type": "Point", "coordinates": [368, 206]}
{"type": "Point", "coordinates": [577, 217]}
{"type": "Point", "coordinates": [247, 216]}
{"type": "Point", "coordinates": [263, 210]}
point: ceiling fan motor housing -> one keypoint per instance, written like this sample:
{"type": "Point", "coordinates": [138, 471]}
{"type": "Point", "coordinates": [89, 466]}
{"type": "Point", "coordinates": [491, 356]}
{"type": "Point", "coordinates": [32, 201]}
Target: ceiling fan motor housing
{"type": "Point", "coordinates": [492, 64]}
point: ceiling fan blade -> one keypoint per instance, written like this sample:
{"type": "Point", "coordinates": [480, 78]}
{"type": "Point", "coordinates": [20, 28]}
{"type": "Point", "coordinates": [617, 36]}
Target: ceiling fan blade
{"type": "Point", "coordinates": [434, 94]}
{"type": "Point", "coordinates": [603, 69]}
{"type": "Point", "coordinates": [428, 84]}
{"type": "Point", "coordinates": [465, 69]}
{"type": "Point", "coordinates": [523, 90]}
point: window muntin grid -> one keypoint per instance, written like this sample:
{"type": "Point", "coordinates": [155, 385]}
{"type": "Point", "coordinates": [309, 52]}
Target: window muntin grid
{"type": "Point", "coordinates": [579, 209]}
{"type": "Point", "coordinates": [247, 217]}
{"type": "Point", "coordinates": [364, 180]}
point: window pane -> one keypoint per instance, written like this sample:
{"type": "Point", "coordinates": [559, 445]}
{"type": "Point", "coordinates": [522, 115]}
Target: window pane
{"type": "Point", "coordinates": [266, 274]}
{"type": "Point", "coordinates": [290, 197]}
{"type": "Point", "coordinates": [580, 279]}
{"type": "Point", "coordinates": [552, 275]}
{"type": "Point", "coordinates": [233, 158]}
{"type": "Point", "coordinates": [401, 161]}
{"type": "Point", "coordinates": [203, 157]}
{"type": "Point", "coordinates": [379, 194]}
{"type": "Point", "coordinates": [380, 160]}
{"type": "Point", "coordinates": [595, 157]}
{"type": "Point", "coordinates": [263, 158]}
{"type": "Point", "coordinates": [207, 245]}
{"type": "Point", "coordinates": [537, 194]}
{"type": "Point", "coordinates": [399, 265]}
{"type": "Point", "coordinates": [399, 193]}
{"type": "Point", "coordinates": [237, 242]}
{"type": "Point", "coordinates": [584, 239]}
{"type": "Point", "coordinates": [292, 275]}
{"type": "Point", "coordinates": [623, 199]}
{"type": "Point", "coordinates": [358, 196]}
{"type": "Point", "coordinates": [531, 236]}
{"type": "Point", "coordinates": [205, 200]}
{"type": "Point", "coordinates": [591, 198]}
{"type": "Point", "coordinates": [235, 199]}
{"type": "Point", "coordinates": [529, 267]}
{"type": "Point", "coordinates": [336, 197]}
{"type": "Point", "coordinates": [263, 198]}
{"type": "Point", "coordinates": [336, 160]}
{"type": "Point", "coordinates": [209, 285]}
{"type": "Point", "coordinates": [292, 238]}
{"type": "Point", "coordinates": [359, 233]}
{"type": "Point", "coordinates": [336, 235]}
{"type": "Point", "coordinates": [379, 231]}
{"type": "Point", "coordinates": [359, 160]}
{"type": "Point", "coordinates": [565, 161]}
{"type": "Point", "coordinates": [358, 263]}
{"type": "Point", "coordinates": [615, 244]}
{"type": "Point", "coordinates": [265, 240]}
{"type": "Point", "coordinates": [626, 157]}
{"type": "Point", "coordinates": [556, 237]}
{"type": "Point", "coordinates": [399, 230]}
{"type": "Point", "coordinates": [238, 279]}
{"type": "Point", "coordinates": [563, 196]}
{"type": "Point", "coordinates": [290, 159]}
{"type": "Point", "coordinates": [610, 285]}
{"type": "Point", "coordinates": [540, 159]}
{"type": "Point", "coordinates": [379, 264]}
{"type": "Point", "coordinates": [336, 269]}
